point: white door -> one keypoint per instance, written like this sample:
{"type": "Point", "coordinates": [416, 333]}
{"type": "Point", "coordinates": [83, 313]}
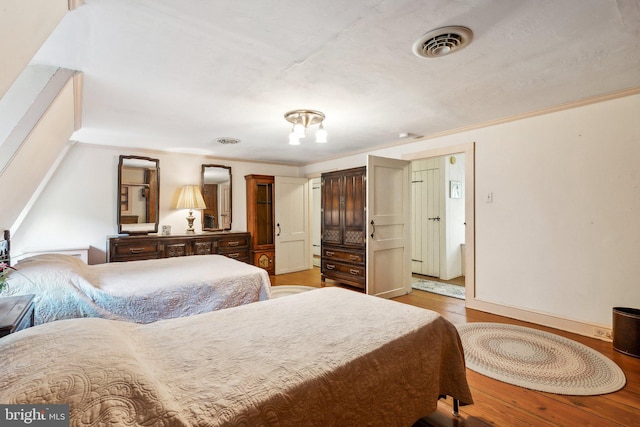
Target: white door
{"type": "Point", "coordinates": [426, 218]}
{"type": "Point", "coordinates": [389, 222]}
{"type": "Point", "coordinates": [418, 213]}
{"type": "Point", "coordinates": [292, 224]}
{"type": "Point", "coordinates": [316, 224]}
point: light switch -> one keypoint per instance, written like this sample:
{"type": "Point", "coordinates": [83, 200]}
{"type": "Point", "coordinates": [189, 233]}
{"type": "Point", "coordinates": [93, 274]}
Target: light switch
{"type": "Point", "coordinates": [489, 198]}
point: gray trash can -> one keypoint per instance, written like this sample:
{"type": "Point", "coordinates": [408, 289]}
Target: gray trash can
{"type": "Point", "coordinates": [626, 330]}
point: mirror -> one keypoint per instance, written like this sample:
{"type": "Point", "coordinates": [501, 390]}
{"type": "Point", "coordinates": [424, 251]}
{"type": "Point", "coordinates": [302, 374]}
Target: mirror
{"type": "Point", "coordinates": [138, 195]}
{"type": "Point", "coordinates": [216, 191]}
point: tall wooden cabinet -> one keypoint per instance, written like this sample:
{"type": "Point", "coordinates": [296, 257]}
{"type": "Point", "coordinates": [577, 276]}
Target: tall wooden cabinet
{"type": "Point", "coordinates": [260, 220]}
{"type": "Point", "coordinates": [343, 227]}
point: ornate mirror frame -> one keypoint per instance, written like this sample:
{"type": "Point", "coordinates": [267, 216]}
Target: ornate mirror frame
{"type": "Point", "coordinates": [138, 195]}
{"type": "Point", "coordinates": [217, 191]}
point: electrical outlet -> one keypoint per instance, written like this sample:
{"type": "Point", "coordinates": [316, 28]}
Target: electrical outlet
{"type": "Point", "coordinates": [602, 333]}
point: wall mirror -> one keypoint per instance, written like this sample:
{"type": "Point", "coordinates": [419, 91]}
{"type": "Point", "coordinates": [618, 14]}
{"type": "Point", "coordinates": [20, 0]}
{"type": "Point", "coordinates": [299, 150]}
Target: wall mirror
{"type": "Point", "coordinates": [138, 195]}
{"type": "Point", "coordinates": [216, 191]}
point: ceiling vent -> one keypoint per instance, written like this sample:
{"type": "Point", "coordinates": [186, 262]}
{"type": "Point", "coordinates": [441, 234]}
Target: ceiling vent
{"type": "Point", "coordinates": [228, 140]}
{"type": "Point", "coordinates": [442, 41]}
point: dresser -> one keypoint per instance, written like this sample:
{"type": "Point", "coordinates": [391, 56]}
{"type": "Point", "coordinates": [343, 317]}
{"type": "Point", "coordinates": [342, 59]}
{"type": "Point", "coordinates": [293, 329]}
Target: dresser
{"type": "Point", "coordinates": [16, 313]}
{"type": "Point", "coordinates": [343, 227]}
{"type": "Point", "coordinates": [131, 248]}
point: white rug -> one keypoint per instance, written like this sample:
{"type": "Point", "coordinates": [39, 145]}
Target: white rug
{"type": "Point", "coordinates": [455, 291]}
{"type": "Point", "coordinates": [284, 290]}
{"type": "Point", "coordinates": [538, 360]}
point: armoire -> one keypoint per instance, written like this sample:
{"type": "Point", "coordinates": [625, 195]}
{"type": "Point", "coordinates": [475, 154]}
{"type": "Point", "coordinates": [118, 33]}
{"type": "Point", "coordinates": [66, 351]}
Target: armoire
{"type": "Point", "coordinates": [343, 226]}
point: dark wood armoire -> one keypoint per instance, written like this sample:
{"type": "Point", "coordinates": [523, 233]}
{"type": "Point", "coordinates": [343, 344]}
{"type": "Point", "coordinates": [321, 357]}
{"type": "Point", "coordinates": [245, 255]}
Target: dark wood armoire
{"type": "Point", "coordinates": [260, 220]}
{"type": "Point", "coordinates": [343, 227]}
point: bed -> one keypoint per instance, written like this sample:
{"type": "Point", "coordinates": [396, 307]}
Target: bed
{"type": "Point", "coordinates": [326, 357]}
{"type": "Point", "coordinates": [136, 291]}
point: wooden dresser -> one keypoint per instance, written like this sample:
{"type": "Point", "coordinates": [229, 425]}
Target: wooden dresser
{"type": "Point", "coordinates": [131, 248]}
{"type": "Point", "coordinates": [343, 228]}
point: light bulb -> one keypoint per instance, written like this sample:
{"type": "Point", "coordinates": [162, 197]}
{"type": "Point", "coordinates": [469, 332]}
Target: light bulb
{"type": "Point", "coordinates": [321, 134]}
{"type": "Point", "coordinates": [299, 130]}
{"type": "Point", "coordinates": [293, 139]}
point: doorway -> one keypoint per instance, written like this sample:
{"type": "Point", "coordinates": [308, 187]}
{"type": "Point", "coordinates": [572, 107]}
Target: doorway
{"type": "Point", "coordinates": [457, 221]}
{"type": "Point", "coordinates": [438, 217]}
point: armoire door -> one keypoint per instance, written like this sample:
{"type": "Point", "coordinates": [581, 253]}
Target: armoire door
{"type": "Point", "coordinates": [331, 211]}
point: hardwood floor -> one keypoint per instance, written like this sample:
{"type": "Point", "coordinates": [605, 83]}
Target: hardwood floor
{"type": "Point", "coordinates": [501, 404]}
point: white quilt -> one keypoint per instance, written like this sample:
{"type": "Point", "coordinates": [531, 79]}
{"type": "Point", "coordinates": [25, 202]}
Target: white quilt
{"type": "Point", "coordinates": [327, 357]}
{"type": "Point", "coordinates": [136, 291]}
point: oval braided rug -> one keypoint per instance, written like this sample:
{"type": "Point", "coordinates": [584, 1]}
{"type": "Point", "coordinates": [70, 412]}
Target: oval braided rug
{"type": "Point", "coordinates": [538, 360]}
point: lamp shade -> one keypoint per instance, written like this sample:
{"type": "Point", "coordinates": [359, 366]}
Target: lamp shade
{"type": "Point", "coordinates": [191, 198]}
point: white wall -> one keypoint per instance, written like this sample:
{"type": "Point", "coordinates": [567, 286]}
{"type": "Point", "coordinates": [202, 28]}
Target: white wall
{"type": "Point", "coordinates": [561, 237]}
{"type": "Point", "coordinates": [78, 207]}
{"type": "Point", "coordinates": [34, 146]}
{"type": "Point", "coordinates": [24, 26]}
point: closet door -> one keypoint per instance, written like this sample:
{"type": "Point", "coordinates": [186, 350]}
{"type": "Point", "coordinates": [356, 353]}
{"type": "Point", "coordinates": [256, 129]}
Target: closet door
{"type": "Point", "coordinates": [418, 221]}
{"type": "Point", "coordinates": [427, 220]}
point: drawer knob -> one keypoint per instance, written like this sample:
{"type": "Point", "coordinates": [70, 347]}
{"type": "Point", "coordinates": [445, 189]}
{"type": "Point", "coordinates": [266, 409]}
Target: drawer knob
{"type": "Point", "coordinates": [354, 257]}
{"type": "Point", "coordinates": [236, 255]}
{"type": "Point", "coordinates": [136, 250]}
{"type": "Point", "coordinates": [352, 271]}
{"type": "Point", "coordinates": [329, 253]}
{"type": "Point", "coordinates": [330, 266]}
{"type": "Point", "coordinates": [235, 243]}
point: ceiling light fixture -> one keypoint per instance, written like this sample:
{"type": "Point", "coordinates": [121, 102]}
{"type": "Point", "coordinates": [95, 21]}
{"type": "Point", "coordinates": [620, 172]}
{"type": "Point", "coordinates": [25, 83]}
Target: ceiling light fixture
{"type": "Point", "coordinates": [442, 41]}
{"type": "Point", "coordinates": [301, 120]}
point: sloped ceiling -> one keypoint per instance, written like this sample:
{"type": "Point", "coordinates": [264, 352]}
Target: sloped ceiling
{"type": "Point", "coordinates": [176, 75]}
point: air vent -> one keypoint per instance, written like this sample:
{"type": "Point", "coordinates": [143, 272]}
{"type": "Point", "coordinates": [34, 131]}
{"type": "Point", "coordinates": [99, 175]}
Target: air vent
{"type": "Point", "coordinates": [442, 41]}
{"type": "Point", "coordinates": [228, 140]}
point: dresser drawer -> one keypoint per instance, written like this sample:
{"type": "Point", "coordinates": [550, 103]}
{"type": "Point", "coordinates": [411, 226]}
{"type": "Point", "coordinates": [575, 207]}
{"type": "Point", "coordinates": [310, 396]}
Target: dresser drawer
{"type": "Point", "coordinates": [136, 250]}
{"type": "Point", "coordinates": [341, 255]}
{"type": "Point", "coordinates": [175, 249]}
{"type": "Point", "coordinates": [203, 247]}
{"type": "Point", "coordinates": [337, 270]}
{"type": "Point", "coordinates": [234, 242]}
{"type": "Point", "coordinates": [241, 254]}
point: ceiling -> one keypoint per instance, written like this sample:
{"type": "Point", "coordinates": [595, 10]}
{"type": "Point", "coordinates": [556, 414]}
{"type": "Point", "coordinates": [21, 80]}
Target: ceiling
{"type": "Point", "coordinates": [176, 75]}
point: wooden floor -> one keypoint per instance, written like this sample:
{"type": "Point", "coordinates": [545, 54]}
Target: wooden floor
{"type": "Point", "coordinates": [501, 404]}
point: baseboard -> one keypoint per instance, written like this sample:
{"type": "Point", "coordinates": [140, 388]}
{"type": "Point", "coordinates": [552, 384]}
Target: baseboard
{"type": "Point", "coordinates": [601, 332]}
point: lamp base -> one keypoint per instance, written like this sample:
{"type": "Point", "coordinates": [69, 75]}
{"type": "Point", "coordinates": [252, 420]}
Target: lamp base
{"type": "Point", "coordinates": [190, 219]}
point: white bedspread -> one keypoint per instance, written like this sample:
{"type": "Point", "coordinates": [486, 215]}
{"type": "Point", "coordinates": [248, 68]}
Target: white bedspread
{"type": "Point", "coordinates": [327, 357]}
{"type": "Point", "coordinates": [136, 291]}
